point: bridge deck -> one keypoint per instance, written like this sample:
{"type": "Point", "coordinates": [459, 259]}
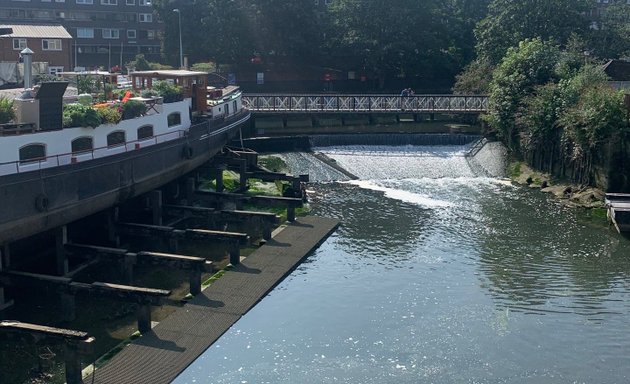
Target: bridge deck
{"type": "Point", "coordinates": [329, 103]}
{"type": "Point", "coordinates": [172, 345]}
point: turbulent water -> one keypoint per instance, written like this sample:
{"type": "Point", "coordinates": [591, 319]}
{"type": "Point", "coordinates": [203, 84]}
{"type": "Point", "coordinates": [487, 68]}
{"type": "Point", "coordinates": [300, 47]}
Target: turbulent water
{"type": "Point", "coordinates": [436, 276]}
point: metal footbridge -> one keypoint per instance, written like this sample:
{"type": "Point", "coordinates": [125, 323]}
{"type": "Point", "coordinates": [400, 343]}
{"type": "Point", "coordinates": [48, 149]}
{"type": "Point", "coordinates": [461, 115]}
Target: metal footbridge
{"type": "Point", "coordinates": [366, 103]}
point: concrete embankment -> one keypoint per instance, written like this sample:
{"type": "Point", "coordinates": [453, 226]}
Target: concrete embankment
{"type": "Point", "coordinates": [162, 354]}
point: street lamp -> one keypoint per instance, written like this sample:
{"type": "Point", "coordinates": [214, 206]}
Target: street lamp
{"type": "Point", "coordinates": [181, 53]}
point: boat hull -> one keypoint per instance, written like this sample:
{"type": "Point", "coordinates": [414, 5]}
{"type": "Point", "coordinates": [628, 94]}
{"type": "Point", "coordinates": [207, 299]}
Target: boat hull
{"type": "Point", "coordinates": [37, 201]}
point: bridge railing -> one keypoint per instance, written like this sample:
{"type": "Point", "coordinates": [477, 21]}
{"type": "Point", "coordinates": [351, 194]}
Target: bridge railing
{"type": "Point", "coordinates": [327, 103]}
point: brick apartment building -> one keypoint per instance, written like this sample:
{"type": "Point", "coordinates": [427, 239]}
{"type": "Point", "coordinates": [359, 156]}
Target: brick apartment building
{"type": "Point", "coordinates": [105, 33]}
{"type": "Point", "coordinates": [49, 43]}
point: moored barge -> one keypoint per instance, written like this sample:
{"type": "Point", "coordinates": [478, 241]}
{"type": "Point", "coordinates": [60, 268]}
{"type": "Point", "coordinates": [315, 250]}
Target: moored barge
{"type": "Point", "coordinates": [51, 175]}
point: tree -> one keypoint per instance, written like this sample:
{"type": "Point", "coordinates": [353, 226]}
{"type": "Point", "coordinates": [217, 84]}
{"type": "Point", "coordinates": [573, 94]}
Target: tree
{"type": "Point", "coordinates": [509, 22]}
{"type": "Point", "coordinates": [395, 38]}
{"type": "Point", "coordinates": [610, 35]}
{"type": "Point", "coordinates": [522, 68]}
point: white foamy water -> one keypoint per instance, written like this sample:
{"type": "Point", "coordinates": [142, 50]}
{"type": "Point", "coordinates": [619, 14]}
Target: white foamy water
{"type": "Point", "coordinates": [401, 195]}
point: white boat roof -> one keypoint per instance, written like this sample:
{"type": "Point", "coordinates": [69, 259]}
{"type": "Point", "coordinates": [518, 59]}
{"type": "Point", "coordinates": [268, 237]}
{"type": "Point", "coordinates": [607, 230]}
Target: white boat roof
{"type": "Point", "coordinates": [169, 73]}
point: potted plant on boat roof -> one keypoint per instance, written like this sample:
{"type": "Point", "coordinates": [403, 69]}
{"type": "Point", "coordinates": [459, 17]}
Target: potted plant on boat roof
{"type": "Point", "coordinates": [170, 92]}
{"type": "Point", "coordinates": [7, 113]}
{"type": "Point", "coordinates": [132, 109]}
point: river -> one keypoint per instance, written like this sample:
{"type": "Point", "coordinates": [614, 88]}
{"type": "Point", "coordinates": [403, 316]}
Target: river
{"type": "Point", "coordinates": [436, 276]}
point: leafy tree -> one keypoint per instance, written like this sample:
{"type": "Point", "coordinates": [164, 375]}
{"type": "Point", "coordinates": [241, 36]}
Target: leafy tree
{"type": "Point", "coordinates": [523, 68]}
{"type": "Point", "coordinates": [610, 35]}
{"type": "Point", "coordinates": [140, 63]}
{"type": "Point", "coordinates": [509, 22]}
{"type": "Point", "coordinates": [396, 38]}
{"type": "Point", "coordinates": [474, 79]}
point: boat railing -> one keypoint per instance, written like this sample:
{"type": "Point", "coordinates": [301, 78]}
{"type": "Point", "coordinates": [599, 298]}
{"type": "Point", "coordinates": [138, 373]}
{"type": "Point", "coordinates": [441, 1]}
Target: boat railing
{"type": "Point", "coordinates": [91, 154]}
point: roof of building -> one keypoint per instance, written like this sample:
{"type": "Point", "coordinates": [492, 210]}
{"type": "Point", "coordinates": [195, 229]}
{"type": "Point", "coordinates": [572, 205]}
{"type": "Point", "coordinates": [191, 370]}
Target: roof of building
{"type": "Point", "coordinates": [38, 31]}
{"type": "Point", "coordinates": [618, 70]}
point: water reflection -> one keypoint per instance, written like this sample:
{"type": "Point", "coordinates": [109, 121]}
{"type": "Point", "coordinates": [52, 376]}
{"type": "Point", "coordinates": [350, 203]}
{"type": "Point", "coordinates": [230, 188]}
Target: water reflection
{"type": "Point", "coordinates": [437, 275]}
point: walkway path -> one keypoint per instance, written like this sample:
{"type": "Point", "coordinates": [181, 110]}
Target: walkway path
{"type": "Point", "coordinates": [173, 344]}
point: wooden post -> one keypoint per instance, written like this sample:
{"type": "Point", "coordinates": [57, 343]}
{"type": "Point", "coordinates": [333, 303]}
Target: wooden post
{"type": "Point", "coordinates": [235, 254]}
{"type": "Point", "coordinates": [190, 190]}
{"type": "Point", "coordinates": [144, 318]}
{"type": "Point", "coordinates": [243, 174]}
{"type": "Point", "coordinates": [291, 214]}
{"type": "Point", "coordinates": [219, 179]}
{"type": "Point", "coordinates": [266, 230]}
{"type": "Point", "coordinates": [68, 306]}
{"type": "Point", "coordinates": [5, 257]}
{"type": "Point", "coordinates": [112, 218]}
{"type": "Point", "coordinates": [195, 282]}
{"type": "Point", "coordinates": [156, 206]}
{"type": "Point", "coordinates": [73, 364]}
{"type": "Point", "coordinates": [127, 265]}
{"type": "Point", "coordinates": [61, 238]}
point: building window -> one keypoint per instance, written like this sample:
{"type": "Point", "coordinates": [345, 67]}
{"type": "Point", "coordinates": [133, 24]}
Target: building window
{"type": "Point", "coordinates": [174, 119]}
{"type": "Point", "coordinates": [109, 2]}
{"type": "Point", "coordinates": [82, 144]}
{"type": "Point", "coordinates": [150, 34]}
{"type": "Point", "coordinates": [145, 17]}
{"type": "Point", "coordinates": [51, 44]}
{"type": "Point", "coordinates": [116, 138]}
{"type": "Point", "coordinates": [54, 69]}
{"type": "Point", "coordinates": [145, 132]}
{"type": "Point", "coordinates": [32, 152]}
{"type": "Point", "coordinates": [111, 33]}
{"type": "Point", "coordinates": [19, 44]}
{"type": "Point", "coordinates": [131, 33]}
{"type": "Point", "coordinates": [85, 33]}
{"type": "Point", "coordinates": [85, 1]}
{"type": "Point", "coordinates": [145, 3]}
{"type": "Point", "coordinates": [131, 2]}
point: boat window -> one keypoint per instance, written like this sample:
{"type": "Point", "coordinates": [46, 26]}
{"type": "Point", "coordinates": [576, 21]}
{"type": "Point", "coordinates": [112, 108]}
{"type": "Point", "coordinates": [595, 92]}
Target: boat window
{"type": "Point", "coordinates": [32, 152]}
{"type": "Point", "coordinates": [116, 138]}
{"type": "Point", "coordinates": [145, 132]}
{"type": "Point", "coordinates": [82, 144]}
{"type": "Point", "coordinates": [174, 119]}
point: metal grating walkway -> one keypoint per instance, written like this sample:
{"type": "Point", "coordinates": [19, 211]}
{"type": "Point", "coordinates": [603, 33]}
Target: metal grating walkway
{"type": "Point", "coordinates": [173, 344]}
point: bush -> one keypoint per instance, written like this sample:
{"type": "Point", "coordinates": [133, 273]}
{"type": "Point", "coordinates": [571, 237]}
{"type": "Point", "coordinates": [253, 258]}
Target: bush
{"type": "Point", "coordinates": [77, 115]}
{"type": "Point", "coordinates": [7, 113]}
{"type": "Point", "coordinates": [110, 115]}
{"type": "Point", "coordinates": [170, 92]}
{"type": "Point", "coordinates": [149, 93]}
{"type": "Point", "coordinates": [132, 109]}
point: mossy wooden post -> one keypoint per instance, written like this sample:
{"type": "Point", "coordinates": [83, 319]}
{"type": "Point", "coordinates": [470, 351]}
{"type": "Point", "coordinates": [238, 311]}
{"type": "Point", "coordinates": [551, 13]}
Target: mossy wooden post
{"type": "Point", "coordinates": [61, 238]}
{"type": "Point", "coordinates": [144, 317]}
{"type": "Point", "coordinates": [219, 178]}
{"type": "Point", "coordinates": [156, 206]}
{"type": "Point", "coordinates": [243, 174]}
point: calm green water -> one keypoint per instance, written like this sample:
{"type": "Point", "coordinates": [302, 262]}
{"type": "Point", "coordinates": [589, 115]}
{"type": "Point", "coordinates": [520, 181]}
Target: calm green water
{"type": "Point", "coordinates": [437, 276]}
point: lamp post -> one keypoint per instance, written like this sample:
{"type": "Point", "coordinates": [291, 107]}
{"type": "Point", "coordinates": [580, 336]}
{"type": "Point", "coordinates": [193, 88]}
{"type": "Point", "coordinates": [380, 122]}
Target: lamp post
{"type": "Point", "coordinates": [181, 53]}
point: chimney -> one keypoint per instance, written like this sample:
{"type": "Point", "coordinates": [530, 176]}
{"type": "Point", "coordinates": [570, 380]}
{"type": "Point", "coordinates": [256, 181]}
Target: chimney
{"type": "Point", "coordinates": [27, 57]}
